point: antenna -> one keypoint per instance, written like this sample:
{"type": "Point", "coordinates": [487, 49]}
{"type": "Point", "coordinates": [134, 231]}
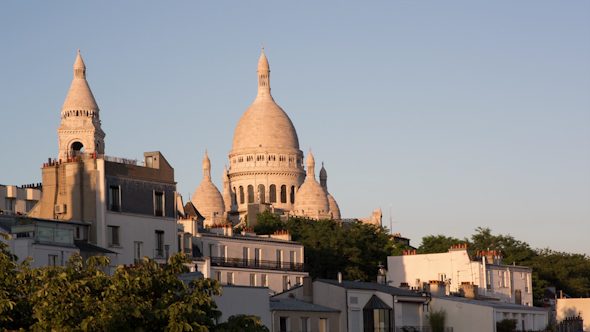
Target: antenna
{"type": "Point", "coordinates": [390, 220]}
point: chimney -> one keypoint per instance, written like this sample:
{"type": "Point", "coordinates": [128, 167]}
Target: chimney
{"type": "Point", "coordinates": [307, 289]}
{"type": "Point", "coordinates": [437, 288]}
{"type": "Point", "coordinates": [381, 275]}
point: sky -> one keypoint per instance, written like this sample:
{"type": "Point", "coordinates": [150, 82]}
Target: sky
{"type": "Point", "coordinates": [456, 114]}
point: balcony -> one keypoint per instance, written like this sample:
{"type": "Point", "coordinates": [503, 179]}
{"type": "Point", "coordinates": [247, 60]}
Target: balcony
{"type": "Point", "coordinates": [257, 264]}
{"type": "Point", "coordinates": [418, 329]}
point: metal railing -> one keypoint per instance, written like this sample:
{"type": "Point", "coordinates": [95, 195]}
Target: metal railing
{"type": "Point", "coordinates": [419, 329]}
{"type": "Point", "coordinates": [257, 264]}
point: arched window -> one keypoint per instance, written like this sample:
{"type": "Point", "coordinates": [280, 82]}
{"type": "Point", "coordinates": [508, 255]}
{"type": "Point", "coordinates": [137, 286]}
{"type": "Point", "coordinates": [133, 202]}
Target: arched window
{"type": "Point", "coordinates": [261, 193]}
{"type": "Point", "coordinates": [292, 194]}
{"type": "Point", "coordinates": [234, 199]}
{"type": "Point", "coordinates": [241, 195]}
{"type": "Point", "coordinates": [273, 193]}
{"type": "Point", "coordinates": [250, 194]}
{"type": "Point", "coordinates": [283, 194]}
{"type": "Point", "coordinates": [77, 149]}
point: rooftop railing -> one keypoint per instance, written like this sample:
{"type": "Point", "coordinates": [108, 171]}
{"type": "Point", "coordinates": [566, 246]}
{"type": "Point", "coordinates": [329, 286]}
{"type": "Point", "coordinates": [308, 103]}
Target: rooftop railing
{"type": "Point", "coordinates": [257, 264]}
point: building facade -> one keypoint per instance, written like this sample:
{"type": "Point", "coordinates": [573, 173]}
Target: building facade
{"type": "Point", "coordinates": [458, 271]}
{"type": "Point", "coordinates": [131, 209]}
{"type": "Point", "coordinates": [19, 200]}
{"type": "Point", "coordinates": [246, 259]}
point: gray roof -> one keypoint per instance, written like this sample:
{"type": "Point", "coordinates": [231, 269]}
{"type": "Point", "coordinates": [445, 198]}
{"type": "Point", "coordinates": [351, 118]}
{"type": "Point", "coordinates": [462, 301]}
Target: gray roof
{"type": "Point", "coordinates": [370, 286]}
{"type": "Point", "coordinates": [288, 304]}
{"type": "Point", "coordinates": [493, 304]}
{"type": "Point", "coordinates": [247, 238]}
{"type": "Point", "coordinates": [85, 246]}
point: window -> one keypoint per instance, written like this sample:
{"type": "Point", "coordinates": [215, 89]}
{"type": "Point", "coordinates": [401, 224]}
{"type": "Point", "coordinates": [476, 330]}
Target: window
{"type": "Point", "coordinates": [159, 203]}
{"type": "Point", "coordinates": [230, 278]}
{"type": "Point", "coordinates": [292, 194]}
{"type": "Point", "coordinates": [10, 204]}
{"type": "Point", "coordinates": [273, 194]}
{"type": "Point", "coordinates": [284, 324]}
{"type": "Point", "coordinates": [377, 315]}
{"type": "Point", "coordinates": [283, 194]}
{"type": "Point", "coordinates": [78, 233]}
{"type": "Point", "coordinates": [264, 278]}
{"type": "Point", "coordinates": [30, 205]}
{"type": "Point", "coordinates": [114, 198]}
{"type": "Point", "coordinates": [252, 279]}
{"type": "Point", "coordinates": [137, 250]}
{"type": "Point", "coordinates": [53, 261]}
{"type": "Point", "coordinates": [218, 276]}
{"type": "Point", "coordinates": [261, 193]}
{"type": "Point", "coordinates": [211, 250]}
{"type": "Point", "coordinates": [234, 197]}
{"type": "Point", "coordinates": [187, 244]}
{"type": "Point", "coordinates": [113, 235]}
{"type": "Point", "coordinates": [323, 324]}
{"type": "Point", "coordinates": [526, 286]}
{"type": "Point", "coordinates": [222, 250]}
{"type": "Point", "coordinates": [298, 280]}
{"type": "Point", "coordinates": [442, 276]}
{"type": "Point", "coordinates": [279, 258]}
{"type": "Point", "coordinates": [250, 194]}
{"type": "Point", "coordinates": [160, 243]}
{"type": "Point", "coordinates": [257, 255]}
{"type": "Point", "coordinates": [304, 324]}
{"type": "Point", "coordinates": [241, 195]}
{"type": "Point", "coordinates": [246, 255]}
{"type": "Point", "coordinates": [286, 283]}
{"type": "Point", "coordinates": [292, 259]}
{"type": "Point", "coordinates": [489, 280]}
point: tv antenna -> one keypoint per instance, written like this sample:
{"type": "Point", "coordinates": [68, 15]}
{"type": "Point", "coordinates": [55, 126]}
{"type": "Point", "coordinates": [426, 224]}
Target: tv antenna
{"type": "Point", "coordinates": [390, 220]}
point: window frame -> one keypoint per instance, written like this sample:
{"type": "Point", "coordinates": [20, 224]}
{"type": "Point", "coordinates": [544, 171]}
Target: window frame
{"type": "Point", "coordinates": [114, 236]}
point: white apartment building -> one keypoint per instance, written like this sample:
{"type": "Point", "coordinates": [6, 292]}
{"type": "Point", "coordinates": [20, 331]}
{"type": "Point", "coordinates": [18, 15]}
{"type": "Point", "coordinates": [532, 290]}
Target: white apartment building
{"type": "Point", "coordinates": [247, 259]}
{"type": "Point", "coordinates": [459, 271]}
{"type": "Point", "coordinates": [19, 200]}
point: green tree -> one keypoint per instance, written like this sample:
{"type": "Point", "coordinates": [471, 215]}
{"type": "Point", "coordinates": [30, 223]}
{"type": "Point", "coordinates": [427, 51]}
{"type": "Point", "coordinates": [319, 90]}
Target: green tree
{"type": "Point", "coordinates": [267, 223]}
{"type": "Point", "coordinates": [437, 320]}
{"type": "Point", "coordinates": [438, 243]}
{"type": "Point", "coordinates": [149, 298]}
{"type": "Point", "coordinates": [241, 323]}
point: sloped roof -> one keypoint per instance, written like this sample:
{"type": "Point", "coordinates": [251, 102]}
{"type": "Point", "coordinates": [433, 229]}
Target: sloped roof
{"type": "Point", "coordinates": [493, 304]}
{"type": "Point", "coordinates": [370, 286]}
{"type": "Point", "coordinates": [288, 304]}
{"type": "Point", "coordinates": [84, 246]}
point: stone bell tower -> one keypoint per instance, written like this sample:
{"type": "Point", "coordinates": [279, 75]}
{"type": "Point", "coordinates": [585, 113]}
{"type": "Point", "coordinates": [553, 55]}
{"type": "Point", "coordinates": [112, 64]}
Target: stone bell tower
{"type": "Point", "coordinates": [80, 132]}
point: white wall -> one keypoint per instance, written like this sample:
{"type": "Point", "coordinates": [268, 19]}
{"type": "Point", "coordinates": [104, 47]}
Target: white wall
{"type": "Point", "coordinates": [22, 196]}
{"type": "Point", "coordinates": [468, 316]}
{"type": "Point", "coordinates": [457, 266]}
{"type": "Point", "coordinates": [138, 228]}
{"type": "Point", "coordinates": [236, 300]}
{"type": "Point", "coordinates": [24, 247]}
{"type": "Point", "coordinates": [572, 307]}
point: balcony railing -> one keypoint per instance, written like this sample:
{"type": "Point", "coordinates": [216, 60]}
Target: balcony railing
{"type": "Point", "coordinates": [419, 329]}
{"type": "Point", "coordinates": [257, 264]}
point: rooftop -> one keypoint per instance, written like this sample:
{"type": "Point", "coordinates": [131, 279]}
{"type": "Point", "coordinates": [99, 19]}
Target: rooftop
{"type": "Point", "coordinates": [288, 304]}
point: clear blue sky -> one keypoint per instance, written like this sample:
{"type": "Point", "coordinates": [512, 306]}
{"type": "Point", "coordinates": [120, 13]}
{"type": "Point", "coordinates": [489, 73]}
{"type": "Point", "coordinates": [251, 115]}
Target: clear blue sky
{"type": "Point", "coordinates": [460, 113]}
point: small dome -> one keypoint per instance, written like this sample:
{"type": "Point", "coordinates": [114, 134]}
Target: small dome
{"type": "Point", "coordinates": [207, 199]}
{"type": "Point", "coordinates": [311, 199]}
{"type": "Point", "coordinates": [334, 209]}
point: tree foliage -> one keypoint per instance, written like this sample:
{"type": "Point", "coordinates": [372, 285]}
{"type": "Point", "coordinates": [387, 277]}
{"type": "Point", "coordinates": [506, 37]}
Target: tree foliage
{"type": "Point", "coordinates": [330, 247]}
{"type": "Point", "coordinates": [72, 298]}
